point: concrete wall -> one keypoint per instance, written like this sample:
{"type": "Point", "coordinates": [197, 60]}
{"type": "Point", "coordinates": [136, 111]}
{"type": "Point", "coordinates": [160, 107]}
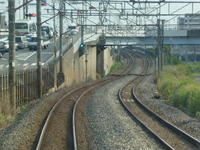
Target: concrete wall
{"type": "Point", "coordinates": [105, 60]}
{"type": "Point", "coordinates": [75, 70]}
{"type": "Point", "coordinates": [81, 69]}
{"type": "Point", "coordinates": [108, 60]}
{"type": "Point", "coordinates": [100, 63]}
{"type": "Point", "coordinates": [167, 33]}
{"type": "Point", "coordinates": [92, 61]}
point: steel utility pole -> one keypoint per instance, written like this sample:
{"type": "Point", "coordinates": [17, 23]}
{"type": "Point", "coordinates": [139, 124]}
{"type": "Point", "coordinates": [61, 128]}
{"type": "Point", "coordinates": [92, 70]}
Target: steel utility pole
{"type": "Point", "coordinates": [159, 47]}
{"type": "Point", "coordinates": [39, 50]}
{"type": "Point", "coordinates": [162, 44]}
{"type": "Point", "coordinates": [61, 76]}
{"type": "Point", "coordinates": [55, 51]}
{"type": "Point", "coordinates": [25, 9]}
{"type": "Point", "coordinates": [61, 32]}
{"type": "Point", "coordinates": [12, 62]}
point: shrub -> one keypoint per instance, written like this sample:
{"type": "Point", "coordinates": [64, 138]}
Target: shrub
{"type": "Point", "coordinates": [193, 94]}
{"type": "Point", "coordinates": [98, 76]}
{"type": "Point", "coordinates": [115, 67]}
{"type": "Point", "coordinates": [89, 79]}
{"type": "Point", "coordinates": [176, 83]}
{"type": "Point", "coordinates": [198, 114]}
{"type": "Point", "coordinates": [5, 121]}
{"type": "Point", "coordinates": [194, 68]}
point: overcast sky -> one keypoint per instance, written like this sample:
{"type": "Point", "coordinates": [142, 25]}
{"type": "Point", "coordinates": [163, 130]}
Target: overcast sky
{"type": "Point", "coordinates": [178, 8]}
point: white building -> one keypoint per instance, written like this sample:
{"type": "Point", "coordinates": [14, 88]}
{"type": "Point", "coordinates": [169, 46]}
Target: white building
{"type": "Point", "coordinates": [189, 22]}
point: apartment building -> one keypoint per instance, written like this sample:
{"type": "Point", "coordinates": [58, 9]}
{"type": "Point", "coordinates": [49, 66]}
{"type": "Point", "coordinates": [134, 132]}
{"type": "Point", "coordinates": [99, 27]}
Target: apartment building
{"type": "Point", "coordinates": [189, 22]}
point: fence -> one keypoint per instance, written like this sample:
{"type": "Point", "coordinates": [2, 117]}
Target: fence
{"type": "Point", "coordinates": [3, 32]}
{"type": "Point", "coordinates": [26, 87]}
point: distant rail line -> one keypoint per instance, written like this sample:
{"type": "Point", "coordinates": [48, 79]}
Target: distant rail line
{"type": "Point", "coordinates": [59, 129]}
{"type": "Point", "coordinates": [167, 134]}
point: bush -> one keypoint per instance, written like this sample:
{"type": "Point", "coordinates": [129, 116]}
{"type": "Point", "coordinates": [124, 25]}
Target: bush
{"type": "Point", "coordinates": [173, 78]}
{"type": "Point", "coordinates": [98, 76]}
{"type": "Point", "coordinates": [198, 114]}
{"type": "Point", "coordinates": [5, 121]}
{"type": "Point", "coordinates": [176, 83]}
{"type": "Point", "coordinates": [115, 67]}
{"type": "Point", "coordinates": [193, 95]}
{"type": "Point", "coordinates": [194, 68]}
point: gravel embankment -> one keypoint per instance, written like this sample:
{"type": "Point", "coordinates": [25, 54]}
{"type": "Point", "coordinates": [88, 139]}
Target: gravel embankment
{"type": "Point", "coordinates": [181, 119]}
{"type": "Point", "coordinates": [109, 125]}
{"type": "Point", "coordinates": [22, 133]}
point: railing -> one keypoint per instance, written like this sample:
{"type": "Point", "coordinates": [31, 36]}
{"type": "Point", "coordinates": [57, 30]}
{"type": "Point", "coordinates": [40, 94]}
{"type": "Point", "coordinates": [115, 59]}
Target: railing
{"type": "Point", "coordinates": [4, 32]}
{"type": "Point", "coordinates": [26, 86]}
{"type": "Point", "coordinates": [27, 82]}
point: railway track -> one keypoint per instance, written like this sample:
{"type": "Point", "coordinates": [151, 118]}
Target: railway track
{"type": "Point", "coordinates": [59, 129]}
{"type": "Point", "coordinates": [167, 134]}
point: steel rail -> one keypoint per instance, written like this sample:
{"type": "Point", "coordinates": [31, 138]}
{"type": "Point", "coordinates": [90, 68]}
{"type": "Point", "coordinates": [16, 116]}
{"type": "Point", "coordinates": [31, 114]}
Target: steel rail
{"type": "Point", "coordinates": [51, 112]}
{"type": "Point", "coordinates": [178, 131]}
{"type": "Point", "coordinates": [127, 68]}
{"type": "Point", "coordinates": [164, 144]}
{"type": "Point", "coordinates": [166, 123]}
{"type": "Point", "coordinates": [42, 135]}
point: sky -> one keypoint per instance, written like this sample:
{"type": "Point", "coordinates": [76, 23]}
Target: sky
{"type": "Point", "coordinates": [176, 9]}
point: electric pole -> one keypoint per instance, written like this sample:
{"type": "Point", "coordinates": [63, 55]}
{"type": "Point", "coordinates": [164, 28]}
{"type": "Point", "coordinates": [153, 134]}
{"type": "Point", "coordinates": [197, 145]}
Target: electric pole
{"type": "Point", "coordinates": [61, 32]}
{"type": "Point", "coordinates": [39, 50]}
{"type": "Point", "coordinates": [61, 76]}
{"type": "Point", "coordinates": [159, 47]}
{"type": "Point", "coordinates": [24, 10]}
{"type": "Point", "coordinates": [12, 62]}
{"type": "Point", "coordinates": [162, 44]}
{"type": "Point", "coordinates": [55, 51]}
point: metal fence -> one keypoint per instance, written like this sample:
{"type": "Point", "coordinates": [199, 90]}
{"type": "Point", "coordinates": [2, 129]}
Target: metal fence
{"type": "Point", "coordinates": [27, 80]}
{"type": "Point", "coordinates": [26, 86]}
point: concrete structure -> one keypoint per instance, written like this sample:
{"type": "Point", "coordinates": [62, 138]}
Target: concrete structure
{"type": "Point", "coordinates": [189, 22]}
{"type": "Point", "coordinates": [167, 33]}
{"type": "Point", "coordinates": [3, 23]}
{"type": "Point", "coordinates": [82, 69]}
{"type": "Point", "coordinates": [127, 41]}
{"type": "Point", "coordinates": [75, 70]}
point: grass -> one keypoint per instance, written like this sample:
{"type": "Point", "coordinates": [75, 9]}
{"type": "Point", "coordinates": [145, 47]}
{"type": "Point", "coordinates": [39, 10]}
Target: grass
{"type": "Point", "coordinates": [5, 121]}
{"type": "Point", "coordinates": [115, 67]}
{"type": "Point", "coordinates": [177, 84]}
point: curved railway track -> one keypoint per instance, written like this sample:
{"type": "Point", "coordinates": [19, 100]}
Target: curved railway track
{"type": "Point", "coordinates": [167, 134]}
{"type": "Point", "coordinates": [58, 131]}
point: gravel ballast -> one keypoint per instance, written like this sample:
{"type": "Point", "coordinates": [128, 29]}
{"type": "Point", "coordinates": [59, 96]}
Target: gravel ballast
{"type": "Point", "coordinates": [108, 124]}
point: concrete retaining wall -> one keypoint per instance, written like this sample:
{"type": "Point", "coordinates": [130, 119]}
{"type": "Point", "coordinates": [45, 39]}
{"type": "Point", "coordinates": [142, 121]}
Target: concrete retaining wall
{"type": "Point", "coordinates": [74, 70]}
{"type": "Point", "coordinates": [81, 69]}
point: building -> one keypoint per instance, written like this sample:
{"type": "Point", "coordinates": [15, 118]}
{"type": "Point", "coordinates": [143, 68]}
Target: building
{"type": "Point", "coordinates": [189, 22]}
{"type": "Point", "coordinates": [3, 23]}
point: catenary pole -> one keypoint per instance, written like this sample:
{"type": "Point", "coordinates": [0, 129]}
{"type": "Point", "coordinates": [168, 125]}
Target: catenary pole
{"type": "Point", "coordinates": [55, 50]}
{"type": "Point", "coordinates": [159, 47]}
{"type": "Point", "coordinates": [61, 32]}
{"type": "Point", "coordinates": [12, 62]}
{"type": "Point", "coordinates": [24, 9]}
{"type": "Point", "coordinates": [162, 44]}
{"type": "Point", "coordinates": [60, 76]}
{"type": "Point", "coordinates": [39, 49]}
